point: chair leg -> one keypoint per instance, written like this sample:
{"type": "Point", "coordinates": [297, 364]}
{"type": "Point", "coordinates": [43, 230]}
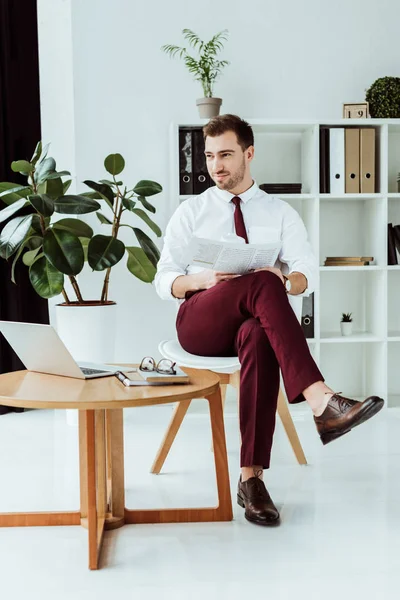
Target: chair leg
{"type": "Point", "coordinates": [223, 387]}
{"type": "Point", "coordinates": [180, 411]}
{"type": "Point", "coordinates": [287, 422]}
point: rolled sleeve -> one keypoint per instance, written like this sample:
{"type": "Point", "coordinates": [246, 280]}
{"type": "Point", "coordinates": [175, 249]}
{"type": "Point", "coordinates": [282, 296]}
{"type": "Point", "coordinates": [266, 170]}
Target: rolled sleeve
{"type": "Point", "coordinates": [171, 264]}
{"type": "Point", "coordinates": [296, 251]}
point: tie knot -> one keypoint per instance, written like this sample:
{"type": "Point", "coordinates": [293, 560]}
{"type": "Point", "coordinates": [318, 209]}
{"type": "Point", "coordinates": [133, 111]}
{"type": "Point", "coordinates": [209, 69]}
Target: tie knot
{"type": "Point", "coordinates": [236, 200]}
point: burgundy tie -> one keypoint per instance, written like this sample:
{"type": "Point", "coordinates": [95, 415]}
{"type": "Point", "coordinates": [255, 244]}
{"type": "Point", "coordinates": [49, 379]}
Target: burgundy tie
{"type": "Point", "coordinates": [239, 222]}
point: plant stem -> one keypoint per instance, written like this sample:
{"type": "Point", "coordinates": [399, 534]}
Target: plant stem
{"type": "Point", "coordinates": [64, 293]}
{"type": "Point", "coordinates": [76, 288]}
{"type": "Point", "coordinates": [119, 207]}
{"type": "Point", "coordinates": [104, 292]}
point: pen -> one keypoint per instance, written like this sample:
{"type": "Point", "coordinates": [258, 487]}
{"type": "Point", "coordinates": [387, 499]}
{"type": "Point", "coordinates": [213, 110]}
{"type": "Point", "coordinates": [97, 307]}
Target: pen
{"type": "Point", "coordinates": [122, 377]}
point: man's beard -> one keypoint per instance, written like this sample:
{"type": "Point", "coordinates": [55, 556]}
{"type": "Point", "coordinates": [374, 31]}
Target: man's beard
{"type": "Point", "coordinates": [231, 182]}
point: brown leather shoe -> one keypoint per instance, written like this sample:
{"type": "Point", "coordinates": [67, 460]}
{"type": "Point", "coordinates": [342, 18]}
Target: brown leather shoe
{"type": "Point", "coordinates": [252, 495]}
{"type": "Point", "coordinates": [342, 414]}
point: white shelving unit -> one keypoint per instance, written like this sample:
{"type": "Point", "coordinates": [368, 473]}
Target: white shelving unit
{"type": "Point", "coordinates": [347, 224]}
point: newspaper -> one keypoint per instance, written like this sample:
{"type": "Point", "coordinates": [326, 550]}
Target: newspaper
{"type": "Point", "coordinates": [228, 257]}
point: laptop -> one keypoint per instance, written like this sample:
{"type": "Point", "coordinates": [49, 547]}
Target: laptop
{"type": "Point", "coordinates": [41, 349]}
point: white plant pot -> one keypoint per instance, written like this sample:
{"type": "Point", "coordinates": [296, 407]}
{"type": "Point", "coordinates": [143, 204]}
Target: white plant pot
{"type": "Point", "coordinates": [208, 107]}
{"type": "Point", "coordinates": [88, 331]}
{"type": "Point", "coordinates": [346, 328]}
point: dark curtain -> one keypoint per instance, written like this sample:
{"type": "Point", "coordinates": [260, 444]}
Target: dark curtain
{"type": "Point", "coordinates": [19, 133]}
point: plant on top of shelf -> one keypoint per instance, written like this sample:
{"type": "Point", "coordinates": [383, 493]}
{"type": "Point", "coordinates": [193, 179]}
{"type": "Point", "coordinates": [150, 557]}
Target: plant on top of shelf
{"type": "Point", "coordinates": [346, 324]}
{"type": "Point", "coordinates": [346, 318]}
{"type": "Point", "coordinates": [384, 98]}
{"type": "Point", "coordinates": [54, 250]}
{"type": "Point", "coordinates": [205, 68]}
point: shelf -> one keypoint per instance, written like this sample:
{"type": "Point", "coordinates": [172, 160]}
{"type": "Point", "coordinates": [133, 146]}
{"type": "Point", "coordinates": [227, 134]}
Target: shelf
{"type": "Point", "coordinates": [351, 196]}
{"type": "Point", "coordinates": [362, 268]}
{"type": "Point", "coordinates": [283, 196]}
{"type": "Point", "coordinates": [334, 337]}
{"type": "Point", "coordinates": [393, 267]}
{"type": "Point", "coordinates": [394, 196]}
{"type": "Point", "coordinates": [394, 336]}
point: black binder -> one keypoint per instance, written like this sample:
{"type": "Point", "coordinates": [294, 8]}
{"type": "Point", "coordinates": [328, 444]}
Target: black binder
{"type": "Point", "coordinates": [185, 161]}
{"type": "Point", "coordinates": [201, 178]}
{"type": "Point", "coordinates": [392, 256]}
{"type": "Point", "coordinates": [307, 316]}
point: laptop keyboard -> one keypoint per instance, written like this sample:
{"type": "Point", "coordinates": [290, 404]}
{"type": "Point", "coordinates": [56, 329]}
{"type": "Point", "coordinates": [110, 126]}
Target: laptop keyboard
{"type": "Point", "coordinates": [87, 371]}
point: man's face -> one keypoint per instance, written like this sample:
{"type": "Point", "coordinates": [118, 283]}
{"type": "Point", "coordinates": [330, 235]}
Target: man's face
{"type": "Point", "coordinates": [227, 164]}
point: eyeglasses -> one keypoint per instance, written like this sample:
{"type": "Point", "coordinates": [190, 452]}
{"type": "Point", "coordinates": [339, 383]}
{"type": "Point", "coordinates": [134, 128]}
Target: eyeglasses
{"type": "Point", "coordinates": [163, 366]}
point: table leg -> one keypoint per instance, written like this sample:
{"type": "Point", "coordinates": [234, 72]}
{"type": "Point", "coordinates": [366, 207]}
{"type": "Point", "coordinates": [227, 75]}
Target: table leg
{"type": "Point", "coordinates": [92, 440]}
{"type": "Point", "coordinates": [222, 512]}
{"type": "Point", "coordinates": [115, 469]}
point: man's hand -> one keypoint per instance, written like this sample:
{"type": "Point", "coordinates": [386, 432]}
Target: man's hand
{"type": "Point", "coordinates": [208, 278]}
{"type": "Point", "coordinates": [277, 272]}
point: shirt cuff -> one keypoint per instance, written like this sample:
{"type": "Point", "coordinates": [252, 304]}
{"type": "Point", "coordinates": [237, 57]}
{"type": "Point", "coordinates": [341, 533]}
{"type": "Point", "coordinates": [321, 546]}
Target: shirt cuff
{"type": "Point", "coordinates": [310, 280]}
{"type": "Point", "coordinates": [164, 283]}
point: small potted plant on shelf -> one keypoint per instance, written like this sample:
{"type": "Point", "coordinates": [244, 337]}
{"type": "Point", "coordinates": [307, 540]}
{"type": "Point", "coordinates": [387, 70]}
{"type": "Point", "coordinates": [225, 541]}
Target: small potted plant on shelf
{"type": "Point", "coordinates": [57, 251]}
{"type": "Point", "coordinates": [384, 98]}
{"type": "Point", "coordinates": [205, 68]}
{"type": "Point", "coordinates": [346, 324]}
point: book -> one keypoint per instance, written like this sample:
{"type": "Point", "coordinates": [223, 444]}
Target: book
{"type": "Point", "coordinates": [339, 263]}
{"type": "Point", "coordinates": [138, 378]}
{"type": "Point", "coordinates": [350, 258]}
{"type": "Point", "coordinates": [336, 157]}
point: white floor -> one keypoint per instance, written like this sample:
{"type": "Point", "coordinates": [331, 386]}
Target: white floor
{"type": "Point", "coordinates": [339, 537]}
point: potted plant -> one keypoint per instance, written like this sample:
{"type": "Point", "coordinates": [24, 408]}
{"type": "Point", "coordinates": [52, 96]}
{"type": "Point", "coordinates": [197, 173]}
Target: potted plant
{"type": "Point", "coordinates": [205, 68]}
{"type": "Point", "coordinates": [384, 98]}
{"type": "Point", "coordinates": [346, 324]}
{"type": "Point", "coordinates": [57, 250]}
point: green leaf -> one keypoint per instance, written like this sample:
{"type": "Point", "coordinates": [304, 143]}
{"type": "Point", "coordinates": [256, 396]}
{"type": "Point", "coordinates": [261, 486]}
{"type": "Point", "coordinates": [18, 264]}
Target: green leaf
{"type": "Point", "coordinates": [129, 204]}
{"type": "Point", "coordinates": [108, 182]}
{"type": "Point", "coordinates": [8, 211]}
{"type": "Point", "coordinates": [104, 190]}
{"type": "Point", "coordinates": [33, 242]}
{"type": "Point", "coordinates": [29, 257]}
{"type": "Point", "coordinates": [57, 174]}
{"type": "Point", "coordinates": [52, 187]}
{"type": "Point", "coordinates": [18, 254]}
{"type": "Point", "coordinates": [22, 166]}
{"type": "Point", "coordinates": [75, 205]}
{"type": "Point", "coordinates": [140, 213]}
{"type": "Point", "coordinates": [147, 188]}
{"type": "Point", "coordinates": [43, 204]}
{"type": "Point", "coordinates": [13, 234]}
{"type": "Point", "coordinates": [66, 185]}
{"type": "Point", "coordinates": [146, 204]}
{"type": "Point", "coordinates": [75, 226]}
{"type": "Point", "coordinates": [103, 220]}
{"type": "Point", "coordinates": [114, 164]}
{"type": "Point", "coordinates": [10, 192]}
{"type": "Point", "coordinates": [151, 250]}
{"type": "Point", "coordinates": [45, 279]}
{"type": "Point", "coordinates": [37, 153]}
{"type": "Point", "coordinates": [104, 251]}
{"type": "Point", "coordinates": [44, 169]}
{"type": "Point", "coordinates": [37, 223]}
{"type": "Point", "coordinates": [64, 251]}
{"type": "Point", "coordinates": [139, 265]}
{"type": "Point", "coordinates": [85, 243]}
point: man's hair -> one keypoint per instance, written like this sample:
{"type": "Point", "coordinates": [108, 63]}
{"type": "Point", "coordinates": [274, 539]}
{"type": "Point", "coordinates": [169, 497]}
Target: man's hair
{"type": "Point", "coordinates": [223, 123]}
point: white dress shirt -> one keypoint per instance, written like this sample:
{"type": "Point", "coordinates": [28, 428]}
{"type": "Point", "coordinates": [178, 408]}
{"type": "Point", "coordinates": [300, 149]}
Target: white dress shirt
{"type": "Point", "coordinates": [210, 215]}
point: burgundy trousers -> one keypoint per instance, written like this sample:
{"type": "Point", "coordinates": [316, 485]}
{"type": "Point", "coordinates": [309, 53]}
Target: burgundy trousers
{"type": "Point", "coordinates": [250, 317]}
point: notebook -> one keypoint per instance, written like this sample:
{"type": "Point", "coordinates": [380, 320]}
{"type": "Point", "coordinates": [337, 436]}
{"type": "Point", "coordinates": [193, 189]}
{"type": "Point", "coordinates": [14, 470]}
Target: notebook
{"type": "Point", "coordinates": [152, 377]}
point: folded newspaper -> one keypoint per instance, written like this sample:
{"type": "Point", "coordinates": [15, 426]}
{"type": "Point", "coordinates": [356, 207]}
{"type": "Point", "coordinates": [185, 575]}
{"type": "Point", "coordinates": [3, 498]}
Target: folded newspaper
{"type": "Point", "coordinates": [229, 257]}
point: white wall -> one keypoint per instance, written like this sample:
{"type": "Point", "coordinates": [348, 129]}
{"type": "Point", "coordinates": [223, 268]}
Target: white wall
{"type": "Point", "coordinates": [118, 93]}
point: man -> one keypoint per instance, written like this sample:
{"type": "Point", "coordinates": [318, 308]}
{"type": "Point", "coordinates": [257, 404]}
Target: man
{"type": "Point", "coordinates": [226, 314]}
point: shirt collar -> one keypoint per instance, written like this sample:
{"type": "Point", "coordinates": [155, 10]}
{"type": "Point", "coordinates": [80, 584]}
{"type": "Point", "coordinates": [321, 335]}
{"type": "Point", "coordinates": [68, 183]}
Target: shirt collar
{"type": "Point", "coordinates": [245, 196]}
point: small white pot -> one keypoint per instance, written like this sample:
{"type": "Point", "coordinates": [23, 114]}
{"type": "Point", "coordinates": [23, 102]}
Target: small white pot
{"type": "Point", "coordinates": [88, 331]}
{"type": "Point", "coordinates": [208, 107]}
{"type": "Point", "coordinates": [346, 328]}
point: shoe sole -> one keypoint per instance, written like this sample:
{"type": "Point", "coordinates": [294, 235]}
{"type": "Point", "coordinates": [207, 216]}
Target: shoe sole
{"type": "Point", "coordinates": [370, 411]}
{"type": "Point", "coordinates": [262, 523]}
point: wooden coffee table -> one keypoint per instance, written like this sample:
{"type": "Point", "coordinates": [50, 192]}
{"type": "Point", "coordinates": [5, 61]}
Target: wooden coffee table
{"type": "Point", "coordinates": [101, 448]}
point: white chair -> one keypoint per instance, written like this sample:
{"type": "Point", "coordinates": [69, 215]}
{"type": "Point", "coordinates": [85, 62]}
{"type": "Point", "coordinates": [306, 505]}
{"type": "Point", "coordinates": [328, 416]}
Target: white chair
{"type": "Point", "coordinates": [228, 369]}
